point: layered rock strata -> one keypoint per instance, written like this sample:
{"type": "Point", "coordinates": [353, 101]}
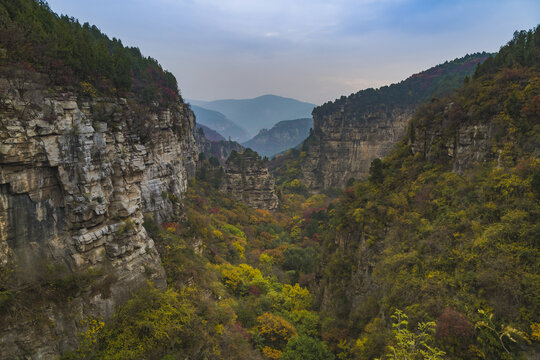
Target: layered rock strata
{"type": "Point", "coordinates": [247, 178]}
{"type": "Point", "coordinates": [77, 175]}
{"type": "Point", "coordinates": [343, 145]}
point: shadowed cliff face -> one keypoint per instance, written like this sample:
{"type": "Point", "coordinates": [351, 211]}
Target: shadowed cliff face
{"type": "Point", "coordinates": [77, 176]}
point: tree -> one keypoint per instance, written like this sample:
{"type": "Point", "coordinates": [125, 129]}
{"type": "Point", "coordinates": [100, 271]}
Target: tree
{"type": "Point", "coordinates": [412, 346]}
{"type": "Point", "coordinates": [274, 331]}
{"type": "Point", "coordinates": [304, 347]}
{"type": "Point", "coordinates": [376, 171]}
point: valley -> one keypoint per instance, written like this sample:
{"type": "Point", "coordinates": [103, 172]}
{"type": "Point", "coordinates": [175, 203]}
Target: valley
{"type": "Point", "coordinates": [398, 222]}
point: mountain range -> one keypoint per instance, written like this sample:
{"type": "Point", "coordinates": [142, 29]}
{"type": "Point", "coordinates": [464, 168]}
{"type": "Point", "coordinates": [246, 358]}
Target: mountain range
{"type": "Point", "coordinates": [255, 114]}
{"type": "Point", "coordinates": [220, 123]}
{"type": "Point", "coordinates": [284, 135]}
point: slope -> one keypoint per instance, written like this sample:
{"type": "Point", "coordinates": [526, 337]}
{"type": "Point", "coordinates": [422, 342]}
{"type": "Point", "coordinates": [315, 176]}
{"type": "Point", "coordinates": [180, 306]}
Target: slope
{"type": "Point", "coordinates": [282, 136]}
{"type": "Point", "coordinates": [446, 228]}
{"type": "Point", "coordinates": [210, 134]}
{"type": "Point", "coordinates": [220, 123]}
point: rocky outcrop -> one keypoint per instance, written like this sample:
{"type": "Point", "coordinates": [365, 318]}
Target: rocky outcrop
{"type": "Point", "coordinates": [349, 133]}
{"type": "Point", "coordinates": [77, 175]}
{"type": "Point", "coordinates": [247, 178]}
{"type": "Point", "coordinates": [342, 146]}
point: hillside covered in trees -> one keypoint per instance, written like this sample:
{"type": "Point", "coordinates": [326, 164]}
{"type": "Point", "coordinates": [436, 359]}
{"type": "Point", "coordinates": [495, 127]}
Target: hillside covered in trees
{"type": "Point", "coordinates": [435, 82]}
{"type": "Point", "coordinates": [79, 55]}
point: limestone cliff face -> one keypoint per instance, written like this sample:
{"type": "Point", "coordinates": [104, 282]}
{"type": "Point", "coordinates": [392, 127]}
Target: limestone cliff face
{"type": "Point", "coordinates": [77, 176]}
{"type": "Point", "coordinates": [247, 178]}
{"type": "Point", "coordinates": [464, 146]}
{"type": "Point", "coordinates": [352, 131]}
{"type": "Point", "coordinates": [342, 146]}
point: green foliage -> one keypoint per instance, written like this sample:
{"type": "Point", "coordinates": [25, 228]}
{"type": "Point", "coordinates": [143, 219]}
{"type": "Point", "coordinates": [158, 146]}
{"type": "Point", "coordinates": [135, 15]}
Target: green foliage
{"type": "Point", "coordinates": [435, 82]}
{"type": "Point", "coordinates": [414, 346]}
{"type": "Point", "coordinates": [305, 347]}
{"type": "Point", "coordinates": [147, 324]}
{"type": "Point", "coordinates": [37, 39]}
{"type": "Point", "coordinates": [433, 232]}
{"type": "Point", "coordinates": [497, 339]}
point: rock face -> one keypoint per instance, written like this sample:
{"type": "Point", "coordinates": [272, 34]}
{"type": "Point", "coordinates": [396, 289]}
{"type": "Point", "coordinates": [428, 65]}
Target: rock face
{"type": "Point", "coordinates": [247, 178]}
{"type": "Point", "coordinates": [349, 133]}
{"type": "Point", "coordinates": [77, 176]}
{"type": "Point", "coordinates": [342, 146]}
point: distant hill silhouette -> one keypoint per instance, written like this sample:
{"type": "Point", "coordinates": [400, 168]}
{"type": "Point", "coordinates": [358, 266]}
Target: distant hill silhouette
{"type": "Point", "coordinates": [220, 123]}
{"type": "Point", "coordinates": [282, 136]}
{"type": "Point", "coordinates": [258, 113]}
{"type": "Point", "coordinates": [210, 134]}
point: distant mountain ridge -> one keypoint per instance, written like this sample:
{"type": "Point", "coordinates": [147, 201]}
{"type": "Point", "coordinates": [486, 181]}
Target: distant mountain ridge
{"type": "Point", "coordinates": [220, 123]}
{"type": "Point", "coordinates": [258, 113]}
{"type": "Point", "coordinates": [284, 135]}
{"type": "Point", "coordinates": [350, 132]}
{"type": "Point", "coordinates": [210, 134]}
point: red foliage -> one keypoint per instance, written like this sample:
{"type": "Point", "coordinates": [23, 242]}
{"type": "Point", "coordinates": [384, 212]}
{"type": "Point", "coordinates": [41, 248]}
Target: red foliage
{"type": "Point", "coordinates": [237, 327]}
{"type": "Point", "coordinates": [170, 225]}
{"type": "Point", "coordinates": [532, 109]}
{"type": "Point", "coordinates": [422, 199]}
{"type": "Point", "coordinates": [451, 325]}
{"type": "Point", "coordinates": [200, 201]}
{"type": "Point", "coordinates": [349, 193]}
{"type": "Point", "coordinates": [254, 290]}
{"type": "Point", "coordinates": [309, 212]}
{"type": "Point", "coordinates": [214, 210]}
{"type": "Point", "coordinates": [306, 280]}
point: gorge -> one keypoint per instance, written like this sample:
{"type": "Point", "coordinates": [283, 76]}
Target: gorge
{"type": "Point", "coordinates": [405, 226]}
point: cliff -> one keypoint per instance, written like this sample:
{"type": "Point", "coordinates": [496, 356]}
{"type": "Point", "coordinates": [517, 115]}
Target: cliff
{"type": "Point", "coordinates": [247, 178]}
{"type": "Point", "coordinates": [77, 176]}
{"type": "Point", "coordinates": [435, 229]}
{"type": "Point", "coordinates": [352, 131]}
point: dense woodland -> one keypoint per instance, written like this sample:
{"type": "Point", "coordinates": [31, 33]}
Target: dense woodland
{"type": "Point", "coordinates": [416, 262]}
{"type": "Point", "coordinates": [79, 56]}
{"type": "Point", "coordinates": [435, 82]}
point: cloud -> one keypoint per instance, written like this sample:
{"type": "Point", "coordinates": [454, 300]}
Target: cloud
{"type": "Point", "coordinates": [309, 49]}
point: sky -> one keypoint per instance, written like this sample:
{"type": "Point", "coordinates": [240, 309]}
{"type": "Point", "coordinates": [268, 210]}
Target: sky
{"type": "Point", "coordinates": [310, 50]}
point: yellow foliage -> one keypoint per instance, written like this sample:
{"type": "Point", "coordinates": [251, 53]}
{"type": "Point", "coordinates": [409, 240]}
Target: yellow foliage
{"type": "Point", "coordinates": [275, 330]}
{"type": "Point", "coordinates": [218, 234]}
{"type": "Point", "coordinates": [88, 89]}
{"type": "Point", "coordinates": [239, 248]}
{"type": "Point", "coordinates": [219, 329]}
{"type": "Point", "coordinates": [295, 297]}
{"type": "Point", "coordinates": [271, 353]}
{"type": "Point", "coordinates": [535, 331]}
{"type": "Point", "coordinates": [89, 338]}
{"type": "Point", "coordinates": [266, 259]}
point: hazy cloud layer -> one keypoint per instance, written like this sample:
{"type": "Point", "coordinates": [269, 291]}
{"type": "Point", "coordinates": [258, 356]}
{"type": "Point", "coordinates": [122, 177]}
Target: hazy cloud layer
{"type": "Point", "coordinates": [311, 50]}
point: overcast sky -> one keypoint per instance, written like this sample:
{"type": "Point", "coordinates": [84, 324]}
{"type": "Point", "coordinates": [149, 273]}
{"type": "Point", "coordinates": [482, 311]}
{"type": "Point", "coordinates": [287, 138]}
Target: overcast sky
{"type": "Point", "coordinates": [311, 50]}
